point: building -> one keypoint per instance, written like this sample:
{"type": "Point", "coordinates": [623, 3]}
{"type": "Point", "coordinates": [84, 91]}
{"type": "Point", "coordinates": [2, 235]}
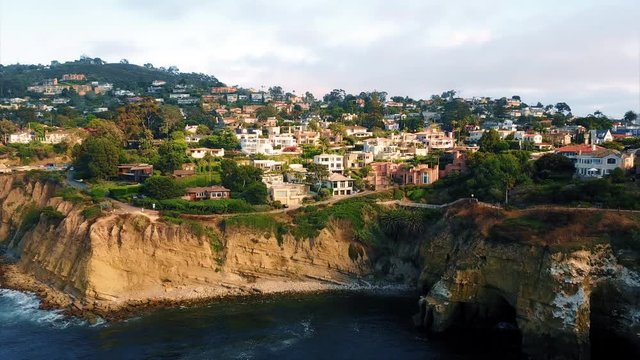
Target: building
{"type": "Point", "coordinates": [596, 161]}
{"type": "Point", "coordinates": [333, 162]}
{"type": "Point", "coordinates": [22, 137]}
{"type": "Point", "coordinates": [74, 77]}
{"type": "Point", "coordinates": [268, 165]}
{"type": "Point", "coordinates": [416, 175]}
{"type": "Point", "coordinates": [457, 165]}
{"type": "Point", "coordinates": [357, 159]}
{"type": "Point", "coordinates": [339, 184]}
{"type": "Point", "coordinates": [207, 193]}
{"type": "Point", "coordinates": [55, 137]}
{"type": "Point", "coordinates": [296, 174]}
{"type": "Point", "coordinates": [178, 174]}
{"type": "Point", "coordinates": [199, 153]}
{"type": "Point", "coordinates": [358, 131]}
{"type": "Point", "coordinates": [134, 172]}
{"type": "Point", "coordinates": [289, 194]}
{"type": "Point", "coordinates": [381, 174]}
{"type": "Point", "coordinates": [597, 137]}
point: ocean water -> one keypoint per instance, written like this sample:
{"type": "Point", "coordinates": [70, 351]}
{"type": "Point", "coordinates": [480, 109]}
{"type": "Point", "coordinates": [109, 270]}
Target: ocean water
{"type": "Point", "coordinates": [315, 326]}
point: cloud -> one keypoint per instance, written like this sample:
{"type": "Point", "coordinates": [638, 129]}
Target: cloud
{"type": "Point", "coordinates": [582, 52]}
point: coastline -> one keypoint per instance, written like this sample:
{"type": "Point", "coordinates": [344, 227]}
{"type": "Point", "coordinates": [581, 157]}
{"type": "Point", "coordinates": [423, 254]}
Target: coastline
{"type": "Point", "coordinates": [92, 311]}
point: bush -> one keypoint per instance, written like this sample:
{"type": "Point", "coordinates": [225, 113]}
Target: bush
{"type": "Point", "coordinates": [91, 213]}
{"type": "Point", "coordinates": [203, 207]}
{"type": "Point", "coordinates": [53, 215]}
{"type": "Point", "coordinates": [69, 194]}
{"type": "Point", "coordinates": [162, 187]}
{"type": "Point", "coordinates": [30, 218]}
{"type": "Point", "coordinates": [118, 192]}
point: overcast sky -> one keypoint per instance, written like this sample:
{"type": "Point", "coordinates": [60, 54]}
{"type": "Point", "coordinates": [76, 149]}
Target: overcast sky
{"type": "Point", "coordinates": [583, 52]}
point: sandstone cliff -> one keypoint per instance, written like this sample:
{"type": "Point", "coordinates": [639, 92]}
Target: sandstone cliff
{"type": "Point", "coordinates": [121, 259]}
{"type": "Point", "coordinates": [554, 274]}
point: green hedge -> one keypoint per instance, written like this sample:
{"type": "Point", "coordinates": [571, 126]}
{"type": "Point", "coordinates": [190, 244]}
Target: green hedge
{"type": "Point", "coordinates": [204, 207]}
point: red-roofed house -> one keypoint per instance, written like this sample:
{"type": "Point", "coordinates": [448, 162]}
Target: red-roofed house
{"type": "Point", "coordinates": [596, 161]}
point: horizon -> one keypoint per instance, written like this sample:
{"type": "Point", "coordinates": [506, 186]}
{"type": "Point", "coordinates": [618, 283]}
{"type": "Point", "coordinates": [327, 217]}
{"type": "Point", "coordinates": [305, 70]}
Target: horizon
{"type": "Point", "coordinates": [413, 49]}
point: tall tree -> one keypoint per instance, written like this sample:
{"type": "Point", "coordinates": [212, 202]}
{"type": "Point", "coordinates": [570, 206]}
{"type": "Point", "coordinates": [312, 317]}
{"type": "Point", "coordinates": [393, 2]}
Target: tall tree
{"type": "Point", "coordinates": [96, 158]}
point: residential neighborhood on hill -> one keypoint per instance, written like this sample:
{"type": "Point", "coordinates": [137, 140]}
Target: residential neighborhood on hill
{"type": "Point", "coordinates": [210, 141]}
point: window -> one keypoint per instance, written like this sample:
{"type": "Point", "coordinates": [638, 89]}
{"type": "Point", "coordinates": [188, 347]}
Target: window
{"type": "Point", "coordinates": [611, 161]}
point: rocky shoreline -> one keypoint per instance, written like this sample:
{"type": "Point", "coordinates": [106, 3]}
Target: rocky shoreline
{"type": "Point", "coordinates": [92, 311]}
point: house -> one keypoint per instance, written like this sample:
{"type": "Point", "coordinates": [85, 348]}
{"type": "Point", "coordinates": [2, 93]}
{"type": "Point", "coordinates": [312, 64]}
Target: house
{"type": "Point", "coordinates": [533, 138]}
{"type": "Point", "coordinates": [199, 153]}
{"type": "Point", "coordinates": [436, 139]}
{"type": "Point", "coordinates": [596, 161]}
{"type": "Point", "coordinates": [358, 131]}
{"type": "Point", "coordinates": [193, 138]}
{"type": "Point", "coordinates": [268, 165]}
{"type": "Point", "coordinates": [207, 193]}
{"type": "Point", "coordinates": [333, 162]}
{"type": "Point", "coordinates": [191, 129]}
{"type": "Point", "coordinates": [339, 184]}
{"type": "Point", "coordinates": [178, 174]}
{"type": "Point", "coordinates": [296, 174]}
{"type": "Point", "coordinates": [22, 137]}
{"type": "Point", "coordinates": [55, 137]}
{"type": "Point", "coordinates": [416, 175]}
{"type": "Point", "coordinates": [381, 174]}
{"type": "Point", "coordinates": [357, 159]}
{"type": "Point", "coordinates": [560, 138]}
{"type": "Point", "coordinates": [597, 137]}
{"type": "Point", "coordinates": [74, 77]}
{"type": "Point", "coordinates": [458, 164]}
{"type": "Point", "coordinates": [134, 172]}
{"type": "Point", "coordinates": [289, 194]}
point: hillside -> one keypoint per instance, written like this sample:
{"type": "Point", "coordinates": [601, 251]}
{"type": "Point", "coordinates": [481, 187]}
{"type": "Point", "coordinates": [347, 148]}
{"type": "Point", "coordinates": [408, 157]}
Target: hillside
{"type": "Point", "coordinates": [14, 79]}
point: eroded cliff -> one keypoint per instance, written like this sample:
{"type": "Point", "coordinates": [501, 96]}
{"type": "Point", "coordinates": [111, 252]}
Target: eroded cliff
{"type": "Point", "coordinates": [553, 273]}
{"type": "Point", "coordinates": [119, 259]}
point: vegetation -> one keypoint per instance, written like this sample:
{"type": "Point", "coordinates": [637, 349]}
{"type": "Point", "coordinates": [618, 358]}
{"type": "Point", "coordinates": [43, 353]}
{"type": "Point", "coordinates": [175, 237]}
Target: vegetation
{"type": "Point", "coordinates": [162, 187]}
{"type": "Point", "coordinates": [96, 158]}
{"type": "Point", "coordinates": [203, 207]}
{"type": "Point", "coordinates": [91, 212]}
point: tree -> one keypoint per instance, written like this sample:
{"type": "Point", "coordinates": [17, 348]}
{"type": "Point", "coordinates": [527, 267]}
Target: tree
{"type": "Point", "coordinates": [617, 176]}
{"type": "Point", "coordinates": [491, 142]}
{"type": "Point", "coordinates": [553, 166]}
{"type": "Point", "coordinates": [243, 180]}
{"type": "Point", "coordinates": [171, 119]}
{"type": "Point", "coordinates": [124, 61]}
{"type": "Point", "coordinates": [630, 116]}
{"type": "Point", "coordinates": [172, 156]}
{"type": "Point", "coordinates": [96, 158]}
{"type": "Point", "coordinates": [203, 130]}
{"type": "Point", "coordinates": [108, 129]}
{"type": "Point", "coordinates": [6, 128]}
{"type": "Point", "coordinates": [563, 108]}
{"type": "Point", "coordinates": [266, 112]}
{"type": "Point", "coordinates": [162, 187]}
{"type": "Point", "coordinates": [495, 174]}
{"type": "Point", "coordinates": [317, 173]}
{"type": "Point", "coordinates": [221, 139]}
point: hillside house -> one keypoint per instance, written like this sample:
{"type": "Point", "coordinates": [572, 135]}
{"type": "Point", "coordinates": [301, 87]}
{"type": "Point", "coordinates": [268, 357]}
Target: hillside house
{"type": "Point", "coordinates": [207, 193]}
{"type": "Point", "coordinates": [135, 172]}
{"type": "Point", "coordinates": [596, 161]}
{"type": "Point", "coordinates": [339, 184]}
{"type": "Point", "coordinates": [200, 153]}
{"type": "Point", "coordinates": [335, 163]}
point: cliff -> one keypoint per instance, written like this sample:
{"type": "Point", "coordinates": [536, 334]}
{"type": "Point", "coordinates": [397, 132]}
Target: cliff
{"type": "Point", "coordinates": [559, 276]}
{"type": "Point", "coordinates": [116, 260]}
{"type": "Point", "coordinates": [562, 278]}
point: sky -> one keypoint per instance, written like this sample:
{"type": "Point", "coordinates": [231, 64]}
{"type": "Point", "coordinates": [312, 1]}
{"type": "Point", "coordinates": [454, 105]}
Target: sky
{"type": "Point", "coordinates": [582, 52]}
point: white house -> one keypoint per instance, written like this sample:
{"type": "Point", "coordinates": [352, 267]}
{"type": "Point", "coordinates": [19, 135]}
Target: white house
{"type": "Point", "coordinates": [55, 137]}
{"type": "Point", "coordinates": [596, 161]}
{"type": "Point", "coordinates": [533, 138]}
{"type": "Point", "coordinates": [289, 194]}
{"type": "Point", "coordinates": [199, 153]}
{"type": "Point", "coordinates": [358, 131]}
{"type": "Point", "coordinates": [268, 165]}
{"type": "Point", "coordinates": [22, 137]}
{"type": "Point", "coordinates": [333, 162]}
{"type": "Point", "coordinates": [597, 137]}
{"type": "Point", "coordinates": [191, 129]}
{"type": "Point", "coordinates": [339, 184]}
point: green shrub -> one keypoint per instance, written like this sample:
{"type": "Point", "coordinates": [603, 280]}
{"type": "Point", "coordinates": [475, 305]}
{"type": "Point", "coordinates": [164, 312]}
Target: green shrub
{"type": "Point", "coordinates": [91, 213]}
{"type": "Point", "coordinates": [69, 194]}
{"type": "Point", "coordinates": [30, 218]}
{"type": "Point", "coordinates": [203, 207]}
{"type": "Point", "coordinates": [263, 223]}
{"type": "Point", "coordinates": [53, 215]}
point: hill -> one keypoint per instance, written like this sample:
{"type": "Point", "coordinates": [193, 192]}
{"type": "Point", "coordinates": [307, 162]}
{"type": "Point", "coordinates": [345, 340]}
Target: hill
{"type": "Point", "coordinates": [14, 79]}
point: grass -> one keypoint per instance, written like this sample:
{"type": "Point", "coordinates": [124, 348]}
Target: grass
{"type": "Point", "coordinates": [203, 207]}
{"type": "Point", "coordinates": [70, 194]}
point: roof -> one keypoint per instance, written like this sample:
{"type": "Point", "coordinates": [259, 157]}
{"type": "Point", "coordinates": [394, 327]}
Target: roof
{"type": "Point", "coordinates": [591, 150]}
{"type": "Point", "coordinates": [183, 172]}
{"type": "Point", "coordinates": [206, 188]}
{"type": "Point", "coordinates": [338, 177]}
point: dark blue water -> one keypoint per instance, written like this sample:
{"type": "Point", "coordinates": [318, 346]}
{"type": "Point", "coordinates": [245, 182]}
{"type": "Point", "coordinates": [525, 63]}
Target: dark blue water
{"type": "Point", "coordinates": [318, 326]}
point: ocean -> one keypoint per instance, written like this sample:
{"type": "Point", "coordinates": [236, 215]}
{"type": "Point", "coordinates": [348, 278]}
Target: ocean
{"type": "Point", "coordinates": [341, 325]}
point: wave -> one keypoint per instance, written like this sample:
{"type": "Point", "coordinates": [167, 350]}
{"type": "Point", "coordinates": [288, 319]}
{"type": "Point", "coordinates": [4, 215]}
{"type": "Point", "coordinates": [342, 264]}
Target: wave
{"type": "Point", "coordinates": [18, 307]}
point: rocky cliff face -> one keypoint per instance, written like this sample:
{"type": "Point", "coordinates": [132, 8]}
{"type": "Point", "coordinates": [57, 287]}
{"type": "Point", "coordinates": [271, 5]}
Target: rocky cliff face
{"type": "Point", "coordinates": [553, 274]}
{"type": "Point", "coordinates": [115, 260]}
